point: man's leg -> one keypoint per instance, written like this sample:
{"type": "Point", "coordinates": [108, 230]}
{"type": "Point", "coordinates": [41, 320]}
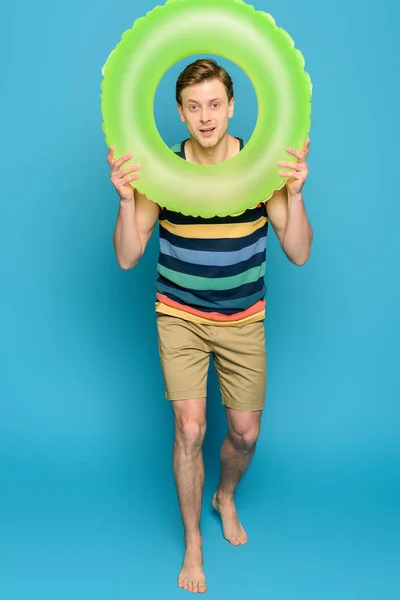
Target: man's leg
{"type": "Point", "coordinates": [236, 454]}
{"type": "Point", "coordinates": [185, 357]}
{"type": "Point", "coordinates": [240, 360]}
{"type": "Point", "coordinates": [190, 428]}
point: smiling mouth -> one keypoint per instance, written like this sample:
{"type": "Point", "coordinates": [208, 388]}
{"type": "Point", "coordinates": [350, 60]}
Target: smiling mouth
{"type": "Point", "coordinates": [207, 130]}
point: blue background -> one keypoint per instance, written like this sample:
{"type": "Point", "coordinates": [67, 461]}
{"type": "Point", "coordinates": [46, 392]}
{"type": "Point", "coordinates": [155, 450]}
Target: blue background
{"type": "Point", "coordinates": [87, 499]}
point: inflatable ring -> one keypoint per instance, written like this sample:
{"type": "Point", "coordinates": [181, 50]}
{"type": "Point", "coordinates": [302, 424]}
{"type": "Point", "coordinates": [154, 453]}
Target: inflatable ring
{"type": "Point", "coordinates": [236, 31]}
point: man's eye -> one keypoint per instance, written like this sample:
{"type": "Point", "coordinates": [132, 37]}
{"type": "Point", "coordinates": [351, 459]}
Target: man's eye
{"type": "Point", "coordinates": [215, 105]}
{"type": "Point", "coordinates": [193, 107]}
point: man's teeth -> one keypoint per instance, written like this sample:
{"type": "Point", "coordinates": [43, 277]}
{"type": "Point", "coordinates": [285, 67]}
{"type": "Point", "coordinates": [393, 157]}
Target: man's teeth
{"type": "Point", "coordinates": [205, 130]}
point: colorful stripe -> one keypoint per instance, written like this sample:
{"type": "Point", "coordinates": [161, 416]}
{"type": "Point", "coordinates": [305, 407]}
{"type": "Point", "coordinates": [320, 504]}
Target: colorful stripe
{"type": "Point", "coordinates": [226, 305]}
{"type": "Point", "coordinates": [211, 245]}
{"type": "Point", "coordinates": [209, 283]}
{"type": "Point", "coordinates": [255, 309]}
{"type": "Point", "coordinates": [212, 259]}
{"type": "Point", "coordinates": [165, 309]}
{"type": "Point", "coordinates": [211, 271]}
{"type": "Point", "coordinates": [245, 216]}
{"type": "Point", "coordinates": [214, 230]}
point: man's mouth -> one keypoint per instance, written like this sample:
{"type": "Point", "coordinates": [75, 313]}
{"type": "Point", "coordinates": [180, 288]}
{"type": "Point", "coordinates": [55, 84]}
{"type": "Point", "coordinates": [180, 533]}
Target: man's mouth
{"type": "Point", "coordinates": [207, 131]}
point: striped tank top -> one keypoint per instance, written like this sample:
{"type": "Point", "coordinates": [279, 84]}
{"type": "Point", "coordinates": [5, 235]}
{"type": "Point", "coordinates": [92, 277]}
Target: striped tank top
{"type": "Point", "coordinates": [212, 270]}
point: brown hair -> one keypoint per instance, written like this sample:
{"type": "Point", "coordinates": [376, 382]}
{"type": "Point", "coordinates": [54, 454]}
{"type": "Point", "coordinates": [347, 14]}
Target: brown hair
{"type": "Point", "coordinates": [201, 70]}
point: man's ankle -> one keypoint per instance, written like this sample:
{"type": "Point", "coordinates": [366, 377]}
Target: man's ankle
{"type": "Point", "coordinates": [224, 496]}
{"type": "Point", "coordinates": [193, 540]}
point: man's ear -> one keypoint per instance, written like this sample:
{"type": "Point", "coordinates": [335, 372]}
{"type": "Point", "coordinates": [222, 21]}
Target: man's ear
{"type": "Point", "coordinates": [231, 108]}
{"type": "Point", "coordinates": [182, 116]}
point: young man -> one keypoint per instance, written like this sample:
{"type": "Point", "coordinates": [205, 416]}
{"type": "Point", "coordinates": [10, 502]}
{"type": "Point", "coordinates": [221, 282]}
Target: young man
{"type": "Point", "coordinates": [210, 300]}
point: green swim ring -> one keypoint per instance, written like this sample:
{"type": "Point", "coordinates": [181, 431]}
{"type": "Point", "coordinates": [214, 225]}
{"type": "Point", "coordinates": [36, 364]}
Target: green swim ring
{"type": "Point", "coordinates": [236, 31]}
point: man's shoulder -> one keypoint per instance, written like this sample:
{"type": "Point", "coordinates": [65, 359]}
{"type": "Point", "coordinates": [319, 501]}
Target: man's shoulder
{"type": "Point", "coordinates": [176, 147]}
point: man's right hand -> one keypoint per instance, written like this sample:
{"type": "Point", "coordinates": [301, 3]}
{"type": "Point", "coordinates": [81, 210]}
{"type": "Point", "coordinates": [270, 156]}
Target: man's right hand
{"type": "Point", "coordinates": [122, 178]}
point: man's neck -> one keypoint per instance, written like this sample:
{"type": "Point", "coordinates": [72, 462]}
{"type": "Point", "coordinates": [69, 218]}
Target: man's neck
{"type": "Point", "coordinates": [226, 148]}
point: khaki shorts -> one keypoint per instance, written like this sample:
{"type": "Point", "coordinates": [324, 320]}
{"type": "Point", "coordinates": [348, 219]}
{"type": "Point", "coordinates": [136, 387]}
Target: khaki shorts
{"type": "Point", "coordinates": [239, 355]}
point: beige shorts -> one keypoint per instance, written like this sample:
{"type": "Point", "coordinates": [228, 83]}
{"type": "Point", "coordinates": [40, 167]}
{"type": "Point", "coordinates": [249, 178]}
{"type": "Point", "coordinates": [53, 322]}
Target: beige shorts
{"type": "Point", "coordinates": [239, 356]}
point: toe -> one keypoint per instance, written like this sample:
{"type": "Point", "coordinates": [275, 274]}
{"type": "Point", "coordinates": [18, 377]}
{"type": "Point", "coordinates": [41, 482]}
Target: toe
{"type": "Point", "coordinates": [190, 586]}
{"type": "Point", "coordinates": [202, 588]}
{"type": "Point", "coordinates": [186, 585]}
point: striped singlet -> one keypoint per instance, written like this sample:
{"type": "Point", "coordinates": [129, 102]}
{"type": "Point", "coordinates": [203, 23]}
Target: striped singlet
{"type": "Point", "coordinates": [212, 270]}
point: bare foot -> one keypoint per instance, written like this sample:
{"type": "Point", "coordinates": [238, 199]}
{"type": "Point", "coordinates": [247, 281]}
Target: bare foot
{"type": "Point", "coordinates": [233, 530]}
{"type": "Point", "coordinates": [191, 577]}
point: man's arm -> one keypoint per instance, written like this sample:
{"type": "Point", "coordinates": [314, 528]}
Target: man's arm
{"type": "Point", "coordinates": [137, 216]}
{"type": "Point", "coordinates": [286, 210]}
{"type": "Point", "coordinates": [288, 217]}
{"type": "Point", "coordinates": [135, 224]}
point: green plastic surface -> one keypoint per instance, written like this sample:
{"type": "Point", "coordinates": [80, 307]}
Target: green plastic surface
{"type": "Point", "coordinates": [236, 31]}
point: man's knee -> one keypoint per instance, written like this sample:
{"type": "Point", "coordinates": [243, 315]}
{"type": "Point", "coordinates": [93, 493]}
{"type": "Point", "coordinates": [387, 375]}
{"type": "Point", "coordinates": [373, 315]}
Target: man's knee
{"type": "Point", "coordinates": [244, 437]}
{"type": "Point", "coordinates": [190, 429]}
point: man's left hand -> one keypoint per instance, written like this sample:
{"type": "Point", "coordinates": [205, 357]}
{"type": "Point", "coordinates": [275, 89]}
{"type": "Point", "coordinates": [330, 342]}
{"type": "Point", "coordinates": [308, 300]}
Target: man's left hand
{"type": "Point", "coordinates": [297, 177]}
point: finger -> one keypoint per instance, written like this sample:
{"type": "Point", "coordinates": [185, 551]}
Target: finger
{"type": "Point", "coordinates": [291, 174]}
{"type": "Point", "coordinates": [122, 172]}
{"type": "Point", "coordinates": [126, 180]}
{"type": "Point", "coordinates": [121, 161]}
{"type": "Point", "coordinates": [306, 147]}
{"type": "Point", "coordinates": [299, 155]}
{"type": "Point", "coordinates": [110, 155]}
{"type": "Point", "coordinates": [290, 165]}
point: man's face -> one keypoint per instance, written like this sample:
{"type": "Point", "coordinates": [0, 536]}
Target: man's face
{"type": "Point", "coordinates": [206, 111]}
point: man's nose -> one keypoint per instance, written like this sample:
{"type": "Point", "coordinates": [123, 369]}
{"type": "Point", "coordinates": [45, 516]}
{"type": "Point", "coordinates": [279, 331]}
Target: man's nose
{"type": "Point", "coordinates": [204, 117]}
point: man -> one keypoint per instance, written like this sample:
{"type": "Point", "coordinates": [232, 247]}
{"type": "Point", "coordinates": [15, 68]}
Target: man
{"type": "Point", "coordinates": [210, 300]}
